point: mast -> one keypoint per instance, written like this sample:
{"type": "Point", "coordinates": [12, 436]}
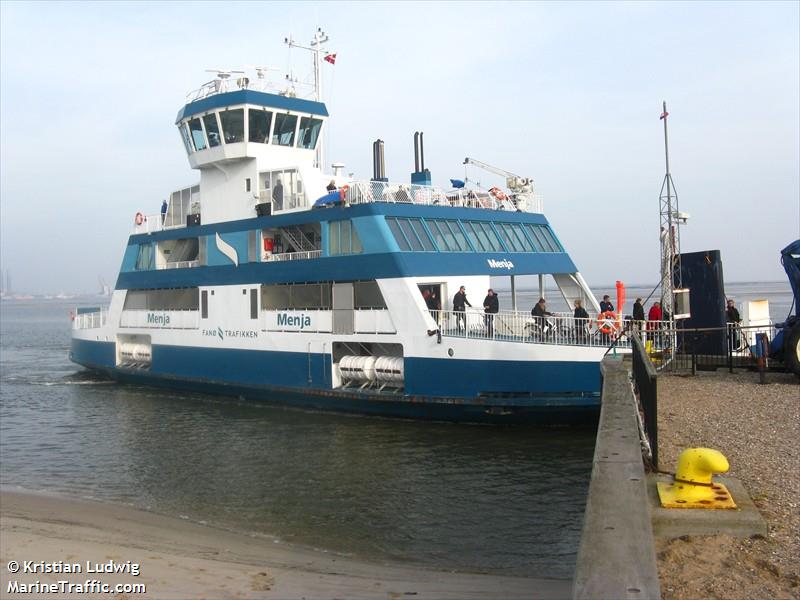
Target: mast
{"type": "Point", "coordinates": [320, 37]}
{"type": "Point", "coordinates": [669, 233]}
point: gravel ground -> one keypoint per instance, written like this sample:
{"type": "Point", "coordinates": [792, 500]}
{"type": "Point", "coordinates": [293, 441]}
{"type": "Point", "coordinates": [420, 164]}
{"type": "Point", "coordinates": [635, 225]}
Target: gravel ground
{"type": "Point", "coordinates": [757, 427]}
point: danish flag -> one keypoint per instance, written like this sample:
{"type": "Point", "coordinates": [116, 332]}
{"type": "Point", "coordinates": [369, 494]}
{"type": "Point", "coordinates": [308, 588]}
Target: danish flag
{"type": "Point", "coordinates": [331, 58]}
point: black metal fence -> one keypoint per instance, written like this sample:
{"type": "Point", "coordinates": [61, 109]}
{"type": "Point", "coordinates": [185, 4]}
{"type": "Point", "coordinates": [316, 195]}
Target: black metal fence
{"type": "Point", "coordinates": [646, 387]}
{"type": "Point", "coordinates": [709, 349]}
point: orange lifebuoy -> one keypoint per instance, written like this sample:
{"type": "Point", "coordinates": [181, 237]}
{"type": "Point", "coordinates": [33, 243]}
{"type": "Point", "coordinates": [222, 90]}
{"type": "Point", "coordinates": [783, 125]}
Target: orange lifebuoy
{"type": "Point", "coordinates": [343, 192]}
{"type": "Point", "coordinates": [498, 194]}
{"type": "Point", "coordinates": [607, 322]}
{"type": "Point", "coordinates": [139, 219]}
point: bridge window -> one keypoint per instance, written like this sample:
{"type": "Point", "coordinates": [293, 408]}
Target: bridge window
{"type": "Point", "coordinates": [186, 139]}
{"type": "Point", "coordinates": [198, 137]}
{"type": "Point", "coordinates": [512, 241]}
{"type": "Point", "coordinates": [233, 125]}
{"type": "Point", "coordinates": [212, 129]}
{"type": "Point", "coordinates": [309, 132]}
{"type": "Point", "coordinates": [259, 122]}
{"type": "Point", "coordinates": [285, 126]}
{"type": "Point", "coordinates": [449, 236]}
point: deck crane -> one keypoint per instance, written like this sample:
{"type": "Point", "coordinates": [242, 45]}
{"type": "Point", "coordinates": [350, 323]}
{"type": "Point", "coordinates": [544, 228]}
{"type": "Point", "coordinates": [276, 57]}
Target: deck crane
{"type": "Point", "coordinates": [520, 187]}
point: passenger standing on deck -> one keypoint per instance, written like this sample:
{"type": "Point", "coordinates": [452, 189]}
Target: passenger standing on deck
{"type": "Point", "coordinates": [433, 304]}
{"type": "Point", "coordinates": [491, 306]}
{"type": "Point", "coordinates": [638, 316]}
{"type": "Point", "coordinates": [581, 321]}
{"type": "Point", "coordinates": [459, 300]}
{"type": "Point", "coordinates": [163, 211]}
{"type": "Point", "coordinates": [733, 319]}
{"type": "Point", "coordinates": [277, 195]}
{"type": "Point", "coordinates": [654, 315]}
{"type": "Point", "coordinates": [606, 305]}
{"type": "Point", "coordinates": [331, 186]}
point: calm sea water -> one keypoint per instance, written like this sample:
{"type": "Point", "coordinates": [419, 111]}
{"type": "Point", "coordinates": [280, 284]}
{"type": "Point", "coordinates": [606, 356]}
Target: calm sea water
{"type": "Point", "coordinates": [496, 499]}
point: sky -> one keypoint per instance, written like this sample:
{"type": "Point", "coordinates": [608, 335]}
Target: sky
{"type": "Point", "coordinates": [568, 93]}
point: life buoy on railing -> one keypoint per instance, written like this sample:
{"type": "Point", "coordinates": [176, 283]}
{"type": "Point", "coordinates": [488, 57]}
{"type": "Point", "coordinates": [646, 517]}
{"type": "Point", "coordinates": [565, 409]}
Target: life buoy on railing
{"type": "Point", "coordinates": [343, 192]}
{"type": "Point", "coordinates": [499, 194]}
{"type": "Point", "coordinates": [607, 322]}
{"type": "Point", "coordinates": [139, 219]}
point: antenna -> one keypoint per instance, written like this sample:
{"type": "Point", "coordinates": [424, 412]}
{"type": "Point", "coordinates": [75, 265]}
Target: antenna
{"type": "Point", "coordinates": [320, 38]}
{"type": "Point", "coordinates": [669, 234]}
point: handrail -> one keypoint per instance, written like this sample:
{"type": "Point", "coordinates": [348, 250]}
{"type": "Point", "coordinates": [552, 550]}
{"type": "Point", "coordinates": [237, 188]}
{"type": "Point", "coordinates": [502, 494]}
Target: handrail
{"type": "Point", "coordinates": [365, 192]}
{"type": "Point", "coordinates": [556, 328]}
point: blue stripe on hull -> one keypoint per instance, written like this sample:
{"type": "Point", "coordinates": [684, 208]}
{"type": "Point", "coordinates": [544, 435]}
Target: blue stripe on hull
{"type": "Point", "coordinates": [283, 378]}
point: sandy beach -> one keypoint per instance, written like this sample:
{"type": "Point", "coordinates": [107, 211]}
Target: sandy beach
{"type": "Point", "coordinates": [179, 559]}
{"type": "Point", "coordinates": [757, 427]}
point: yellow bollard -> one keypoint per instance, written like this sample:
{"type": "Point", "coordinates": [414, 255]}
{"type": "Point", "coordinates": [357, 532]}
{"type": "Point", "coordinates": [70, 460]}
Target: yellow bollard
{"type": "Point", "coordinates": [693, 486]}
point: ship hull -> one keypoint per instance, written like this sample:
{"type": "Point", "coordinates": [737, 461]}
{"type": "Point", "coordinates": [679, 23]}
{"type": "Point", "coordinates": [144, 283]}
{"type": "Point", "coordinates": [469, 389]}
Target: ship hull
{"type": "Point", "coordinates": [301, 381]}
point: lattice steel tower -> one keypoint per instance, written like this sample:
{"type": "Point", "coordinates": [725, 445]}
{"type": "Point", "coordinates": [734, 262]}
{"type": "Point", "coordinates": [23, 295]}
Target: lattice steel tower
{"type": "Point", "coordinates": [669, 234]}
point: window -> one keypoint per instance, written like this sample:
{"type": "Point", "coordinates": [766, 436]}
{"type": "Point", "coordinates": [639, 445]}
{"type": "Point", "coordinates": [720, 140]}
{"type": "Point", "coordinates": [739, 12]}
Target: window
{"type": "Point", "coordinates": [233, 125]}
{"type": "Point", "coordinates": [162, 299]}
{"type": "Point", "coordinates": [204, 304]}
{"type": "Point", "coordinates": [410, 234]}
{"type": "Point", "coordinates": [551, 239]}
{"type": "Point", "coordinates": [284, 130]}
{"type": "Point", "coordinates": [298, 296]}
{"type": "Point", "coordinates": [398, 234]}
{"type": "Point", "coordinates": [212, 129]}
{"type": "Point", "coordinates": [144, 260]}
{"type": "Point", "coordinates": [186, 139]}
{"type": "Point", "coordinates": [198, 137]}
{"type": "Point", "coordinates": [509, 237]}
{"type": "Point", "coordinates": [343, 238]}
{"type": "Point", "coordinates": [309, 132]}
{"type": "Point", "coordinates": [472, 234]}
{"type": "Point", "coordinates": [458, 234]}
{"type": "Point", "coordinates": [254, 304]}
{"type": "Point", "coordinates": [516, 230]}
{"type": "Point", "coordinates": [259, 122]}
{"type": "Point", "coordinates": [367, 294]}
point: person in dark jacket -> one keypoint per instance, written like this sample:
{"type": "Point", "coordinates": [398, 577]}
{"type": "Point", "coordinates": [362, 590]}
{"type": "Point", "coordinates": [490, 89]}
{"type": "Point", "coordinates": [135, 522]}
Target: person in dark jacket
{"type": "Point", "coordinates": [606, 305]}
{"type": "Point", "coordinates": [581, 321]}
{"type": "Point", "coordinates": [638, 310]}
{"type": "Point", "coordinates": [638, 316]}
{"type": "Point", "coordinates": [733, 319]}
{"type": "Point", "coordinates": [459, 302]}
{"type": "Point", "coordinates": [491, 306]}
{"type": "Point", "coordinates": [539, 312]}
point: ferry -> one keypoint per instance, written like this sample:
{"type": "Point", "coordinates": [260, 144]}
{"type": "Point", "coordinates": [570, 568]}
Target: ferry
{"type": "Point", "coordinates": [273, 280]}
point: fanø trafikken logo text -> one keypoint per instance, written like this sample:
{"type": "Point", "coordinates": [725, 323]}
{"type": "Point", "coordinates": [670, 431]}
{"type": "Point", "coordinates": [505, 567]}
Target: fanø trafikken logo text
{"type": "Point", "coordinates": [230, 333]}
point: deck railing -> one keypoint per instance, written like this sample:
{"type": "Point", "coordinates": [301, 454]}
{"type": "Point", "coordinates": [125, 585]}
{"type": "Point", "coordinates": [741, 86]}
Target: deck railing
{"type": "Point", "coordinates": [292, 256]}
{"type": "Point", "coordinates": [557, 329]}
{"type": "Point", "coordinates": [92, 318]}
{"type": "Point", "coordinates": [362, 192]}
